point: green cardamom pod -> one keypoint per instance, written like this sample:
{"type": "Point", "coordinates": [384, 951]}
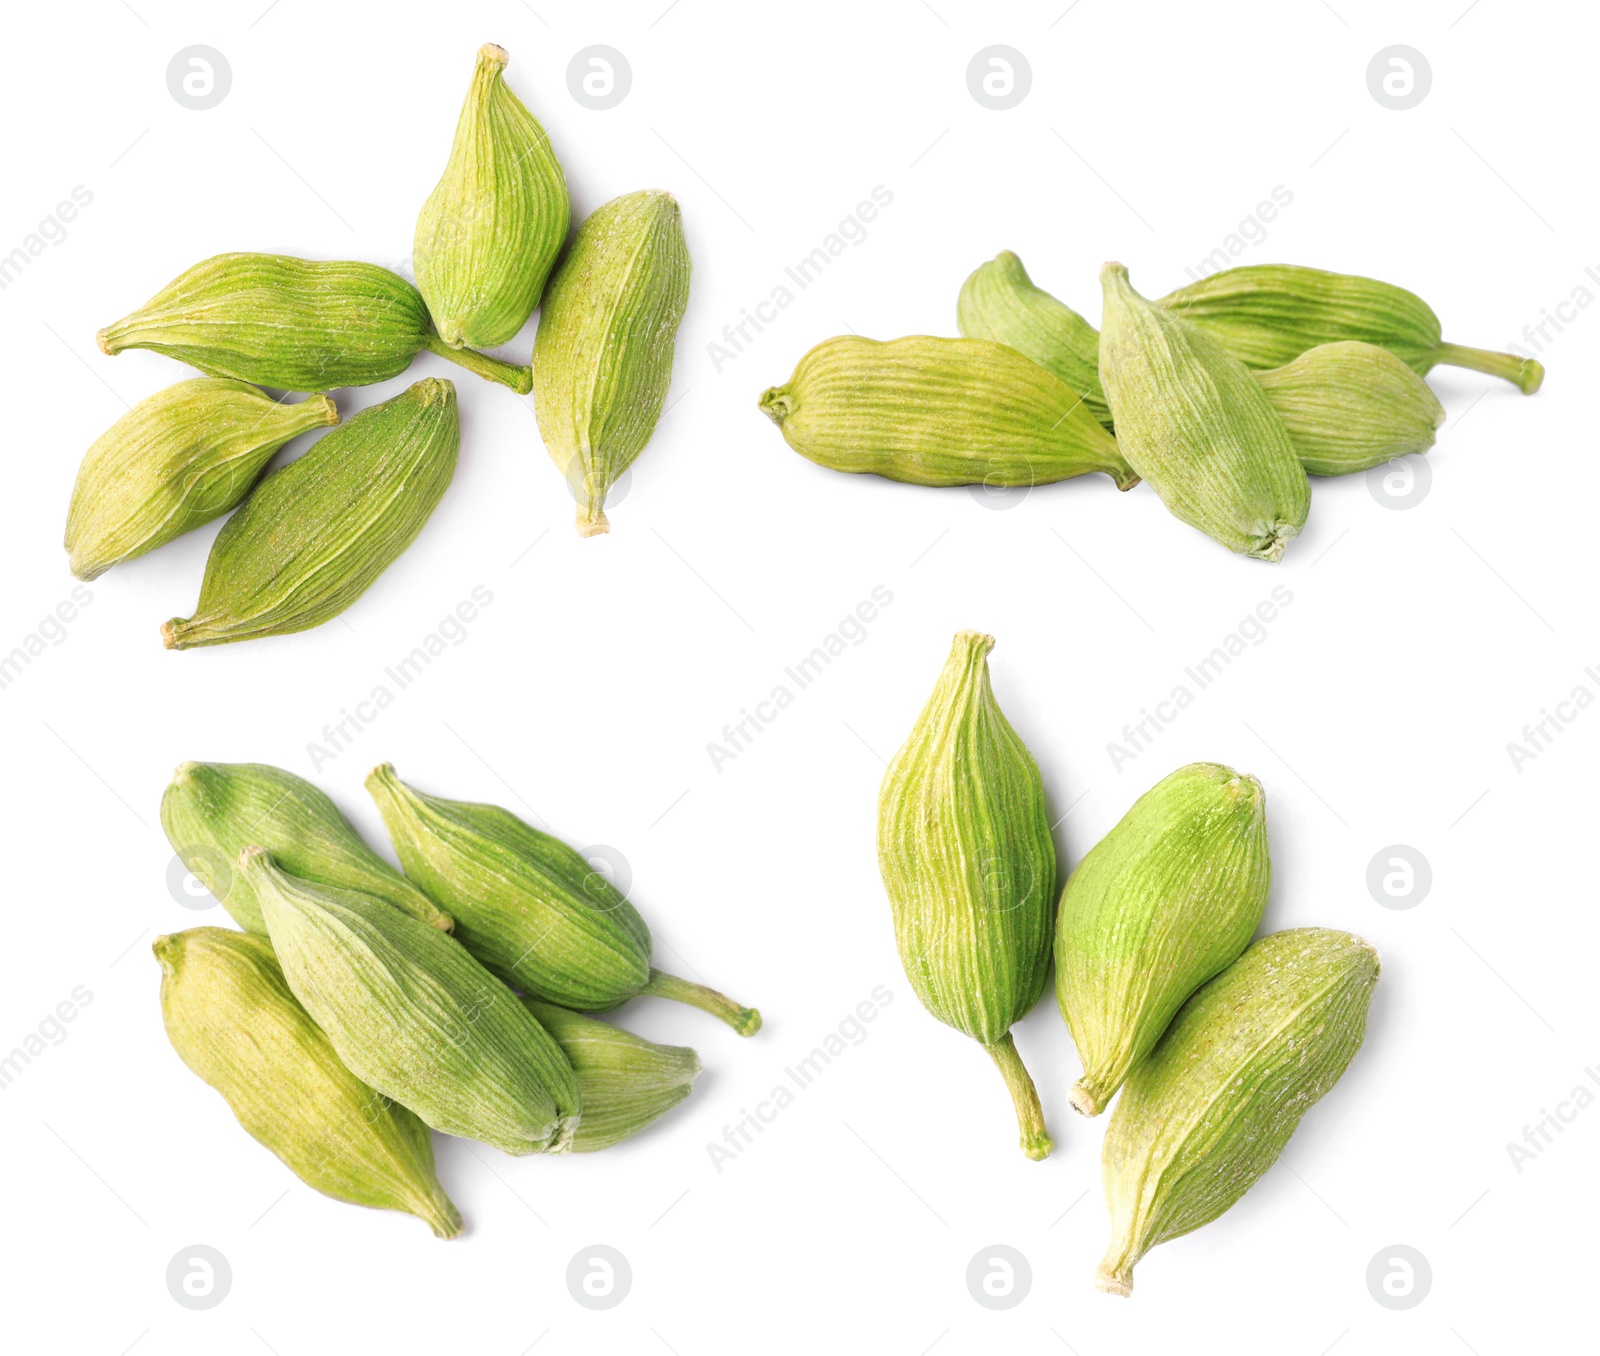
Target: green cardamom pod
{"type": "Point", "coordinates": [530, 907]}
{"type": "Point", "coordinates": [999, 302]}
{"type": "Point", "coordinates": [935, 411]}
{"type": "Point", "coordinates": [1194, 423]}
{"type": "Point", "coordinates": [414, 1016]}
{"type": "Point", "coordinates": [1212, 1107]}
{"type": "Point", "coordinates": [318, 532]}
{"type": "Point", "coordinates": [174, 462]}
{"type": "Point", "coordinates": [491, 229]}
{"type": "Point", "coordinates": [294, 324]}
{"type": "Point", "coordinates": [231, 1018]}
{"type": "Point", "coordinates": [213, 811]}
{"type": "Point", "coordinates": [624, 1081]}
{"type": "Point", "coordinates": [602, 358]}
{"type": "Point", "coordinates": [1267, 315]}
{"type": "Point", "coordinates": [1351, 406]}
{"type": "Point", "coordinates": [1163, 902]}
{"type": "Point", "coordinates": [969, 865]}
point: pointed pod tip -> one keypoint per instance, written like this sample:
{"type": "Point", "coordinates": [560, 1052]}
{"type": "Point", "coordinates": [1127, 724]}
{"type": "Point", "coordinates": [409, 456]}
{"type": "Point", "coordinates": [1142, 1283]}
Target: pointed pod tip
{"type": "Point", "coordinates": [102, 338]}
{"type": "Point", "coordinates": [169, 633]}
{"type": "Point", "coordinates": [1111, 271]}
{"type": "Point", "coordinates": [494, 55]}
{"type": "Point", "coordinates": [974, 641]}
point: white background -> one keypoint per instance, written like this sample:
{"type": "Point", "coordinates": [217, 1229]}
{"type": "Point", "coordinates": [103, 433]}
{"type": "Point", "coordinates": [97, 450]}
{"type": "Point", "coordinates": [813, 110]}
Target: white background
{"type": "Point", "coordinates": [1377, 710]}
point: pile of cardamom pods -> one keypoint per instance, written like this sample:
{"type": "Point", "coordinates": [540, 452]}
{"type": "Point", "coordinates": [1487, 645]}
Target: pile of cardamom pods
{"type": "Point", "coordinates": [315, 534]}
{"type": "Point", "coordinates": [1218, 1045]}
{"type": "Point", "coordinates": [361, 1006]}
{"type": "Point", "coordinates": [1224, 395]}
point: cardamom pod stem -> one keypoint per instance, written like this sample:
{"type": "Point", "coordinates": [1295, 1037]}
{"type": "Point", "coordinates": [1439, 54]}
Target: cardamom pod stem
{"type": "Point", "coordinates": [602, 359]}
{"type": "Point", "coordinates": [1159, 905]}
{"type": "Point", "coordinates": [530, 907]}
{"type": "Point", "coordinates": [1350, 406]}
{"type": "Point", "coordinates": [1213, 1106]}
{"type": "Point", "coordinates": [1194, 423]}
{"type": "Point", "coordinates": [1000, 302]}
{"type": "Point", "coordinates": [231, 1018]}
{"type": "Point", "coordinates": [213, 811]}
{"type": "Point", "coordinates": [969, 865]}
{"type": "Point", "coordinates": [174, 462]}
{"type": "Point", "coordinates": [1267, 315]}
{"type": "Point", "coordinates": [317, 533]}
{"type": "Point", "coordinates": [933, 411]}
{"type": "Point", "coordinates": [746, 1021]}
{"type": "Point", "coordinates": [293, 324]}
{"type": "Point", "coordinates": [413, 1015]}
{"type": "Point", "coordinates": [625, 1082]}
{"type": "Point", "coordinates": [491, 229]}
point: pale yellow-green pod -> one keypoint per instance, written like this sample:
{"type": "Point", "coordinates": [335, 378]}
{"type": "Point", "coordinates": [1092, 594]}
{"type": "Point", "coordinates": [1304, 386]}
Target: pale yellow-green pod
{"type": "Point", "coordinates": [174, 462]}
{"type": "Point", "coordinates": [414, 1016]}
{"type": "Point", "coordinates": [1214, 1104]}
{"type": "Point", "coordinates": [1351, 406]}
{"type": "Point", "coordinates": [1267, 315]}
{"type": "Point", "coordinates": [1160, 904]}
{"type": "Point", "coordinates": [624, 1081]}
{"type": "Point", "coordinates": [494, 224]}
{"type": "Point", "coordinates": [602, 359]}
{"type": "Point", "coordinates": [1195, 424]}
{"type": "Point", "coordinates": [934, 411]}
{"type": "Point", "coordinates": [231, 1018]}
{"type": "Point", "coordinates": [969, 865]}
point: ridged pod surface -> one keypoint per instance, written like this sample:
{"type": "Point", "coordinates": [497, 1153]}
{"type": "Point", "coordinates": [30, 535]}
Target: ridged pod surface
{"type": "Point", "coordinates": [231, 1018]}
{"type": "Point", "coordinates": [175, 461]}
{"type": "Point", "coordinates": [490, 231]}
{"type": "Point", "coordinates": [934, 411]}
{"type": "Point", "coordinates": [1212, 1107]}
{"type": "Point", "coordinates": [602, 358]}
{"type": "Point", "coordinates": [294, 324]}
{"type": "Point", "coordinates": [414, 1016]}
{"type": "Point", "coordinates": [1163, 902]}
{"type": "Point", "coordinates": [316, 534]}
{"type": "Point", "coordinates": [1193, 422]}
{"type": "Point", "coordinates": [211, 812]}
{"type": "Point", "coordinates": [1000, 302]}
{"type": "Point", "coordinates": [625, 1082]}
{"type": "Point", "coordinates": [1351, 406]}
{"type": "Point", "coordinates": [969, 865]}
{"type": "Point", "coordinates": [1267, 315]}
{"type": "Point", "coordinates": [530, 907]}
